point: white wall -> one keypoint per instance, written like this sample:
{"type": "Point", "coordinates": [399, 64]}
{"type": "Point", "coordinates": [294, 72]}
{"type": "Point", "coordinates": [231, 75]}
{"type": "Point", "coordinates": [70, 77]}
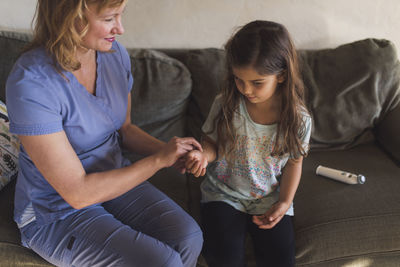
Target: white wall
{"type": "Point", "coordinates": [209, 23]}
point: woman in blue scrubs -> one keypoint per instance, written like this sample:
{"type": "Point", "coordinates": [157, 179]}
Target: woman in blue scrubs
{"type": "Point", "coordinates": [78, 202]}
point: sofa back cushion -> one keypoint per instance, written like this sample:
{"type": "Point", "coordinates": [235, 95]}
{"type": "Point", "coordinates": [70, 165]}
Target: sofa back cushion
{"type": "Point", "coordinates": [160, 93]}
{"type": "Point", "coordinates": [11, 45]}
{"type": "Point", "coordinates": [388, 133]}
{"type": "Point", "coordinates": [350, 89]}
{"type": "Point", "coordinates": [207, 67]}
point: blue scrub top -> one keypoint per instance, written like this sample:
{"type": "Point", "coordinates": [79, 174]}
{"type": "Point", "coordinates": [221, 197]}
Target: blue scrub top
{"type": "Point", "coordinates": [41, 101]}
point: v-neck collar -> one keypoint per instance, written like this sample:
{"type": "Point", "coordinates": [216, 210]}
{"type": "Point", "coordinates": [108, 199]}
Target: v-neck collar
{"type": "Point", "coordinates": [98, 87]}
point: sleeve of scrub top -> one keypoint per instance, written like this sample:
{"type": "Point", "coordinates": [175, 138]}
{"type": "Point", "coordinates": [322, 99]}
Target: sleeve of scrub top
{"type": "Point", "coordinates": [32, 103]}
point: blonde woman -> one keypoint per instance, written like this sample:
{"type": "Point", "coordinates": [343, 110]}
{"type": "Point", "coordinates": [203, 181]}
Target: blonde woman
{"type": "Point", "coordinates": [78, 202]}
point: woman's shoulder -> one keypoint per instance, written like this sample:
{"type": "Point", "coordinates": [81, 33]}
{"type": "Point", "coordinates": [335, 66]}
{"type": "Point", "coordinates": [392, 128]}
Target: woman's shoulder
{"type": "Point", "coordinates": [37, 62]}
{"type": "Point", "coordinates": [35, 56]}
{"type": "Point", "coordinates": [33, 75]}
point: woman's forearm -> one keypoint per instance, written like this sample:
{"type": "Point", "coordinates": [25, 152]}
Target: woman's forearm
{"type": "Point", "coordinates": [107, 185]}
{"type": "Point", "coordinates": [138, 141]}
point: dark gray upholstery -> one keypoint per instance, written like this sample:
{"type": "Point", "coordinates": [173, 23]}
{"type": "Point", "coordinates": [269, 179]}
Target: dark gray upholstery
{"type": "Point", "coordinates": [358, 83]}
{"type": "Point", "coordinates": [353, 94]}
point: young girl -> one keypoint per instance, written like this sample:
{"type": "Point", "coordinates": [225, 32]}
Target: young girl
{"type": "Point", "coordinates": [256, 135]}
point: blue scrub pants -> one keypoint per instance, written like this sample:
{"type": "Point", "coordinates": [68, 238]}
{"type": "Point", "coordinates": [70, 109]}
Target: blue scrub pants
{"type": "Point", "coordinates": [140, 228]}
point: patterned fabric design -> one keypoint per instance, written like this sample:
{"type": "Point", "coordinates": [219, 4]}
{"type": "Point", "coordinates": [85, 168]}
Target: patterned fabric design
{"type": "Point", "coordinates": [253, 163]}
{"type": "Point", "coordinates": [248, 178]}
{"type": "Point", "coordinates": [9, 149]}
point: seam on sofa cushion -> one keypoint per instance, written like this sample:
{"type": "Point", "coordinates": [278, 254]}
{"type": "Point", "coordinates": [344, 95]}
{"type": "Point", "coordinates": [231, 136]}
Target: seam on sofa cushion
{"type": "Point", "coordinates": [19, 36]}
{"type": "Point", "coordinates": [355, 257]}
{"type": "Point", "coordinates": [346, 220]}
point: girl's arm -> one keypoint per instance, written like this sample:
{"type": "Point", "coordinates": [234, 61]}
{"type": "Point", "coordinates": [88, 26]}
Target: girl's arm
{"type": "Point", "coordinates": [56, 160]}
{"type": "Point", "coordinates": [289, 183]}
{"type": "Point", "coordinates": [290, 180]}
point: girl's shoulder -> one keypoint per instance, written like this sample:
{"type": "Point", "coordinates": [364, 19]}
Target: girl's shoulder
{"type": "Point", "coordinates": [218, 98]}
{"type": "Point", "coordinates": [305, 114]}
{"type": "Point", "coordinates": [307, 123]}
{"type": "Point", "coordinates": [217, 104]}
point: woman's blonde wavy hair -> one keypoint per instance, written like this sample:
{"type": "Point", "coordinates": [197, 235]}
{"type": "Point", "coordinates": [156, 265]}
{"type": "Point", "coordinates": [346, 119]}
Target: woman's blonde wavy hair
{"type": "Point", "coordinates": [55, 28]}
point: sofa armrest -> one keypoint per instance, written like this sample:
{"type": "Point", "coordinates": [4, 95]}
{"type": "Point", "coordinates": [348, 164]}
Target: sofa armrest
{"type": "Point", "coordinates": [388, 133]}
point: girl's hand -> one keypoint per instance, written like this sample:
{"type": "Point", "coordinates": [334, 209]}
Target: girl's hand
{"type": "Point", "coordinates": [179, 165]}
{"type": "Point", "coordinates": [196, 163]}
{"type": "Point", "coordinates": [272, 216]}
{"type": "Point", "coordinates": [175, 149]}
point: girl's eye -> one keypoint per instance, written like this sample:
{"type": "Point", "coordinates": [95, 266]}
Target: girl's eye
{"type": "Point", "coordinates": [257, 84]}
{"type": "Point", "coordinates": [108, 19]}
{"type": "Point", "coordinates": [237, 80]}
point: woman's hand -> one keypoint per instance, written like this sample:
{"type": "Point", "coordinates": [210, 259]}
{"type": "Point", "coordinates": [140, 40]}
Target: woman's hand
{"type": "Point", "coordinates": [272, 216]}
{"type": "Point", "coordinates": [175, 149]}
{"type": "Point", "coordinates": [196, 163]}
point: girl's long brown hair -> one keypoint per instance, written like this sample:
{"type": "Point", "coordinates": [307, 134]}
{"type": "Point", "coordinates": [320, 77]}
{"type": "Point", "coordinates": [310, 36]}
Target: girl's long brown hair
{"type": "Point", "coordinates": [267, 47]}
{"type": "Point", "coordinates": [55, 28]}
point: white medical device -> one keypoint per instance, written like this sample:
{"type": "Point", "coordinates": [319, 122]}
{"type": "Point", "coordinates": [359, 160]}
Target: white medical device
{"type": "Point", "coordinates": [341, 176]}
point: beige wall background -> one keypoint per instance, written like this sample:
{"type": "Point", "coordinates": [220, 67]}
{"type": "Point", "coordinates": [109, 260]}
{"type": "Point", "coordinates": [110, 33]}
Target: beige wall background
{"type": "Point", "coordinates": [209, 23]}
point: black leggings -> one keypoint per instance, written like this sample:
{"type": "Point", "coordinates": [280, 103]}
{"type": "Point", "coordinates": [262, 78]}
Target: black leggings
{"type": "Point", "coordinates": [225, 230]}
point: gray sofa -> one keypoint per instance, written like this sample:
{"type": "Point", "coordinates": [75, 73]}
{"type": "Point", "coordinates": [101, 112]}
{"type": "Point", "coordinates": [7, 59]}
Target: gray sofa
{"type": "Point", "coordinates": [353, 94]}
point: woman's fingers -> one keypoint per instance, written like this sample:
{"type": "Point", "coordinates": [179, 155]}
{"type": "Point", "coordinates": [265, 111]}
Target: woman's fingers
{"type": "Point", "coordinates": [190, 143]}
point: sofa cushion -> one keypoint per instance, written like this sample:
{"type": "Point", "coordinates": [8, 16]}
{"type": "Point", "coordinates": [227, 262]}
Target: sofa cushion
{"type": "Point", "coordinates": [207, 67]}
{"type": "Point", "coordinates": [12, 253]}
{"type": "Point", "coordinates": [350, 89]}
{"type": "Point", "coordinates": [388, 133]}
{"type": "Point", "coordinates": [11, 45]}
{"type": "Point", "coordinates": [160, 93]}
{"type": "Point", "coordinates": [336, 223]}
{"type": "Point", "coordinates": [160, 96]}
{"type": "Point", "coordinates": [9, 149]}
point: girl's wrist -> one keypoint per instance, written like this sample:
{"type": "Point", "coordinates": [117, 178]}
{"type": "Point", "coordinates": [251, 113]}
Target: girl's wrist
{"type": "Point", "coordinates": [285, 203]}
{"type": "Point", "coordinates": [210, 157]}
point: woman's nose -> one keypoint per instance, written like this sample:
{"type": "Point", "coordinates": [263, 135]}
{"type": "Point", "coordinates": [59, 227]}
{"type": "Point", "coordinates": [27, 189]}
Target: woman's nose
{"type": "Point", "coordinates": [118, 29]}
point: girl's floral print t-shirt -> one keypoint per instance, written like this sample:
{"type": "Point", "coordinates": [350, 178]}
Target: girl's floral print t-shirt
{"type": "Point", "coordinates": [249, 179]}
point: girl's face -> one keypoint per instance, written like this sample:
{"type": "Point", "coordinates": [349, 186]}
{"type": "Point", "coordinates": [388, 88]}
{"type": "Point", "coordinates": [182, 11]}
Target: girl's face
{"type": "Point", "coordinates": [103, 27]}
{"type": "Point", "coordinates": [255, 87]}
